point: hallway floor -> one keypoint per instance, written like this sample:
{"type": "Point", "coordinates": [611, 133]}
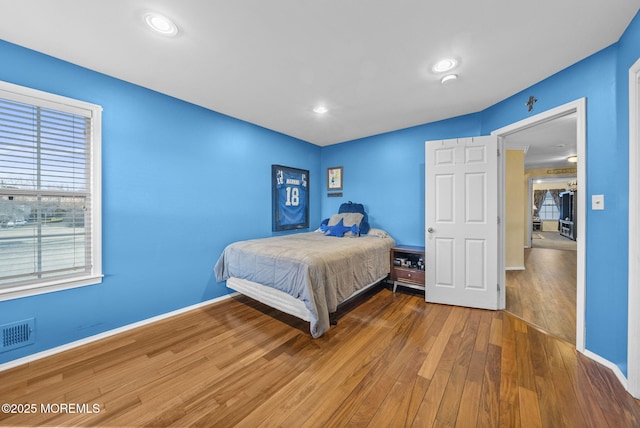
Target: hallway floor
{"type": "Point", "coordinates": [545, 293]}
{"type": "Point", "coordinates": [552, 240]}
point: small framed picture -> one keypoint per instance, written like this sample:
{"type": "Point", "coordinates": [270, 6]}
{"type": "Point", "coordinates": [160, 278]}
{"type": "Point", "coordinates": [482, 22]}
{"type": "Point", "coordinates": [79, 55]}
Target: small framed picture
{"type": "Point", "coordinates": [334, 178]}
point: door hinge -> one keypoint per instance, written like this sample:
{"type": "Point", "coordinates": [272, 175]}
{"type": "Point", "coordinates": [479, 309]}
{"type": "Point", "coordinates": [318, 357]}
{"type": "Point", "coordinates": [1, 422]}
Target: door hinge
{"type": "Point", "coordinates": [498, 219]}
{"type": "Point", "coordinates": [498, 152]}
{"type": "Point", "coordinates": [498, 287]}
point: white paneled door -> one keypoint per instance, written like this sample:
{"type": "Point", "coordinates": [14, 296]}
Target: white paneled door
{"type": "Point", "coordinates": [462, 222]}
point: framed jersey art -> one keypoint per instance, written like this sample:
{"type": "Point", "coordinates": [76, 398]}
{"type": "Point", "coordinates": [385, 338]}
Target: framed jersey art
{"type": "Point", "coordinates": [290, 187]}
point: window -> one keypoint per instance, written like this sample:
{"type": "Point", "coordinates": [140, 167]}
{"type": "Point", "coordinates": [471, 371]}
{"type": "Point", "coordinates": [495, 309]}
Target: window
{"type": "Point", "coordinates": [50, 199]}
{"type": "Point", "coordinates": [548, 210]}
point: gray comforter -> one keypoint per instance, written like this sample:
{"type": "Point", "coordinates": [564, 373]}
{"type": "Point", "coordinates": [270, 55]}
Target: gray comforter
{"type": "Point", "coordinates": [322, 271]}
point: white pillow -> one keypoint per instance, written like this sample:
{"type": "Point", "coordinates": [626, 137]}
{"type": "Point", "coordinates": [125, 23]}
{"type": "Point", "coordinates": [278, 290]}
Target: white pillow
{"type": "Point", "coordinates": [348, 219]}
{"type": "Point", "coordinates": [378, 233]}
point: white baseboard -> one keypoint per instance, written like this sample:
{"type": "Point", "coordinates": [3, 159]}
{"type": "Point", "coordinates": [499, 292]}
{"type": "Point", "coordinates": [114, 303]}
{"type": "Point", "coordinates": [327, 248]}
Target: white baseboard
{"type": "Point", "coordinates": [46, 353]}
{"type": "Point", "coordinates": [608, 364]}
{"type": "Point", "coordinates": [515, 268]}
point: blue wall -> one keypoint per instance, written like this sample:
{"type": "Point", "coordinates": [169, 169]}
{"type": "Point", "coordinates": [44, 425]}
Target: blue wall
{"type": "Point", "coordinates": [607, 231]}
{"type": "Point", "coordinates": [179, 183]}
{"type": "Point", "coordinates": [386, 172]}
{"type": "Point", "coordinates": [169, 174]}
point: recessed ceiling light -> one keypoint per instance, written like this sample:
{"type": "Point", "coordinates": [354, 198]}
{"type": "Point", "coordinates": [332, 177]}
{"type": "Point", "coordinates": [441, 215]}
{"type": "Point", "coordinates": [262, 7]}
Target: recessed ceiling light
{"type": "Point", "coordinates": [444, 65]}
{"type": "Point", "coordinates": [320, 109]}
{"type": "Point", "coordinates": [572, 159]}
{"type": "Point", "coordinates": [449, 78]}
{"type": "Point", "coordinates": [161, 24]}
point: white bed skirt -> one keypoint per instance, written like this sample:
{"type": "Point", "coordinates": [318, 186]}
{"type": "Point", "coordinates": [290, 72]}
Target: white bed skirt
{"type": "Point", "coordinates": [280, 300]}
{"type": "Point", "coordinates": [271, 297]}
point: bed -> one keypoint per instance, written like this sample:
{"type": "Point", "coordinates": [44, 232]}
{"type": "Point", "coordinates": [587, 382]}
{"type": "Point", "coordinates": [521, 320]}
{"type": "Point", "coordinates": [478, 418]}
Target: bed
{"type": "Point", "coordinates": [309, 274]}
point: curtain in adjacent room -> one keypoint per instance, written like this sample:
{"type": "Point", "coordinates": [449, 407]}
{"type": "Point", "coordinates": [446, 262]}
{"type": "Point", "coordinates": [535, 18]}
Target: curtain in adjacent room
{"type": "Point", "coordinates": [538, 197]}
{"type": "Point", "coordinates": [555, 194]}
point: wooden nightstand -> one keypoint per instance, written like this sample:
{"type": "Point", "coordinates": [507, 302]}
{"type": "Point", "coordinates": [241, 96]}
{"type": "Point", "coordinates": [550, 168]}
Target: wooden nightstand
{"type": "Point", "coordinates": [407, 266]}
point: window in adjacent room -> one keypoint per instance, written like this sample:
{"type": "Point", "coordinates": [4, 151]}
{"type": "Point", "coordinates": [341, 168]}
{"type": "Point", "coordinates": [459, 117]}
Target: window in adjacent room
{"type": "Point", "coordinates": [549, 209]}
{"type": "Point", "coordinates": [50, 199]}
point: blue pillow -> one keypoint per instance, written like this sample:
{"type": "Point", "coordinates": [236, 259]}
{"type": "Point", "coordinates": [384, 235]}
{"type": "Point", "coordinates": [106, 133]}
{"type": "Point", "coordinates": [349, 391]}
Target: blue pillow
{"type": "Point", "coordinates": [350, 207]}
{"type": "Point", "coordinates": [340, 229]}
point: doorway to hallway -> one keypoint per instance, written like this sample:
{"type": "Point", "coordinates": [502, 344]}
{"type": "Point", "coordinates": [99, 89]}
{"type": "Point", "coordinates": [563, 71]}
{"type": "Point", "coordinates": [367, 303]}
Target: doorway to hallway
{"type": "Point", "coordinates": [542, 275]}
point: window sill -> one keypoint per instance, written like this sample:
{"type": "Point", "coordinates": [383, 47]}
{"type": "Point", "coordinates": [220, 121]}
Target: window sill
{"type": "Point", "coordinates": [47, 287]}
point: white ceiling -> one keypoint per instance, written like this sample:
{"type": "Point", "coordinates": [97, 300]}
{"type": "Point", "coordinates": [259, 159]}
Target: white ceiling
{"type": "Point", "coordinates": [368, 61]}
{"type": "Point", "coordinates": [547, 145]}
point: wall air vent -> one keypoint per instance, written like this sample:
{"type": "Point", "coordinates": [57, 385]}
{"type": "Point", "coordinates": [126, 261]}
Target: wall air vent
{"type": "Point", "coordinates": [17, 334]}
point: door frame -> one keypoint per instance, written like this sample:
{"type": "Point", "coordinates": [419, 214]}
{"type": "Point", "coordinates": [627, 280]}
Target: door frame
{"type": "Point", "coordinates": [578, 107]}
{"type": "Point", "coordinates": [633, 329]}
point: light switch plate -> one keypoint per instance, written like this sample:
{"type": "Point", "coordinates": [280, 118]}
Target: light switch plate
{"type": "Point", "coordinates": [597, 202]}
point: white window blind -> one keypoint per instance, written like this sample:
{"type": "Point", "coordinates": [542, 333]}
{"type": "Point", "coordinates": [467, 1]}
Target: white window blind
{"type": "Point", "coordinates": [549, 210]}
{"type": "Point", "coordinates": [47, 191]}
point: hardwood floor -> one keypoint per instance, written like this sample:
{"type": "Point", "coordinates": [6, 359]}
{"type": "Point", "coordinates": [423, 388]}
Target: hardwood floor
{"type": "Point", "coordinates": [392, 360]}
{"type": "Point", "coordinates": [545, 293]}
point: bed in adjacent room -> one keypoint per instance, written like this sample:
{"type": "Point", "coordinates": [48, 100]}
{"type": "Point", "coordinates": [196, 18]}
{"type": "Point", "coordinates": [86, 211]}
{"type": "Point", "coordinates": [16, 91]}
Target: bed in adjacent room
{"type": "Point", "coordinates": [309, 274]}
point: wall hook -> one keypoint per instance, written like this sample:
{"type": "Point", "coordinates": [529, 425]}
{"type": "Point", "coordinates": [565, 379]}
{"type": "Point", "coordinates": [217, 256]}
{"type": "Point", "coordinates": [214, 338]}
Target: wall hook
{"type": "Point", "coordinates": [531, 102]}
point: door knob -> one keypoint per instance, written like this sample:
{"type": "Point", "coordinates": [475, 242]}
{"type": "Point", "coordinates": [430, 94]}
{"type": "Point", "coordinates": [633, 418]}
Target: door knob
{"type": "Point", "coordinates": [430, 230]}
